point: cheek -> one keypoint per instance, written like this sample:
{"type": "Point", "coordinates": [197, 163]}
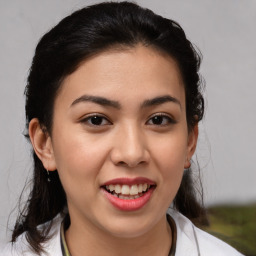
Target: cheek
{"type": "Point", "coordinates": [171, 166]}
{"type": "Point", "coordinates": [78, 162]}
{"type": "Point", "coordinates": [170, 153]}
{"type": "Point", "coordinates": [75, 150]}
{"type": "Point", "coordinates": [169, 156]}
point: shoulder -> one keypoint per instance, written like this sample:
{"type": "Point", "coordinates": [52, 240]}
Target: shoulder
{"type": "Point", "coordinates": [21, 247]}
{"type": "Point", "coordinates": [211, 243]}
{"type": "Point", "coordinates": [194, 241]}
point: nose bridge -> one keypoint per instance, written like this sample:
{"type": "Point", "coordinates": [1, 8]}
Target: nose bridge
{"type": "Point", "coordinates": [130, 147]}
{"type": "Point", "coordinates": [134, 139]}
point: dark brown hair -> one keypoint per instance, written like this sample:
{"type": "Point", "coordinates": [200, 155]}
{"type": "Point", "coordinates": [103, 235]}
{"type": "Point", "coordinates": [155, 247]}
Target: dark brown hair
{"type": "Point", "coordinates": [84, 33]}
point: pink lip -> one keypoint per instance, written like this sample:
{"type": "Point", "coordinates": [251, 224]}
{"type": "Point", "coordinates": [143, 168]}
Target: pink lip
{"type": "Point", "coordinates": [129, 204]}
{"type": "Point", "coordinates": [129, 181]}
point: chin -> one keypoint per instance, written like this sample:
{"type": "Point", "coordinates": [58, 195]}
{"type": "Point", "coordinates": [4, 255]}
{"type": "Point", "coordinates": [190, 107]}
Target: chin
{"type": "Point", "coordinates": [128, 233]}
{"type": "Point", "coordinates": [131, 228]}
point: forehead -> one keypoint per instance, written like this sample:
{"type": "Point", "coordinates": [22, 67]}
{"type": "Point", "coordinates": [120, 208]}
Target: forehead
{"type": "Point", "coordinates": [141, 71]}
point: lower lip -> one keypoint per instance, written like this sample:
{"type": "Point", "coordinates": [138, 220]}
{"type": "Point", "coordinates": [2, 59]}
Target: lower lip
{"type": "Point", "coordinates": [129, 204]}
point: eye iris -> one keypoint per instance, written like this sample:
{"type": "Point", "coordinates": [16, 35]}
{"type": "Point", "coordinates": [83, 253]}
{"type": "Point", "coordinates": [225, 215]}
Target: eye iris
{"type": "Point", "coordinates": [96, 120]}
{"type": "Point", "coordinates": [157, 120]}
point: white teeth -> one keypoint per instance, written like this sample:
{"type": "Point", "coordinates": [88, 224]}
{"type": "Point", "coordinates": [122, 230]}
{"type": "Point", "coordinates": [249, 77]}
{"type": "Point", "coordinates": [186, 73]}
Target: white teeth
{"type": "Point", "coordinates": [127, 197]}
{"type": "Point", "coordinates": [125, 190]}
{"type": "Point", "coordinates": [117, 189]}
{"type": "Point", "coordinates": [140, 188]}
{"type": "Point", "coordinates": [133, 190]}
{"type": "Point", "coordinates": [145, 187]}
{"type": "Point", "coordinates": [111, 188]}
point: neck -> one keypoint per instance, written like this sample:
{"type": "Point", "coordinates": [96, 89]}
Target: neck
{"type": "Point", "coordinates": [83, 240]}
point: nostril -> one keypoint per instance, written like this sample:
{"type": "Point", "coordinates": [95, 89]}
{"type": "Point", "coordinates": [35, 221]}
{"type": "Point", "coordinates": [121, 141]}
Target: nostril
{"type": "Point", "coordinates": [130, 163]}
{"type": "Point", "coordinates": [122, 163]}
{"type": "Point", "coordinates": [125, 164]}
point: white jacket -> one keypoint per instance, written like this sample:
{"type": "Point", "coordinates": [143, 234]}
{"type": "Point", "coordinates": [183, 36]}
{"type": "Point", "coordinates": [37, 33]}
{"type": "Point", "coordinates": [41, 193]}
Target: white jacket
{"type": "Point", "coordinates": [191, 241]}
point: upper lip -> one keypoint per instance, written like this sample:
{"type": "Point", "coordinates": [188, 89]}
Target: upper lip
{"type": "Point", "coordinates": [129, 181]}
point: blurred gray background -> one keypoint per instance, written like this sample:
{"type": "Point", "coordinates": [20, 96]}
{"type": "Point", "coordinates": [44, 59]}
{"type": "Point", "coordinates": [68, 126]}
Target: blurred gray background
{"type": "Point", "coordinates": [225, 33]}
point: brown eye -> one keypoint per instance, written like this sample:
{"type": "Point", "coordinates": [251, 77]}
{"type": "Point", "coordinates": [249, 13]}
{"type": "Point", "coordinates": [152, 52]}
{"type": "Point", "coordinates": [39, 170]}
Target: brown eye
{"type": "Point", "coordinates": [160, 120]}
{"type": "Point", "coordinates": [157, 120]}
{"type": "Point", "coordinates": [96, 120]}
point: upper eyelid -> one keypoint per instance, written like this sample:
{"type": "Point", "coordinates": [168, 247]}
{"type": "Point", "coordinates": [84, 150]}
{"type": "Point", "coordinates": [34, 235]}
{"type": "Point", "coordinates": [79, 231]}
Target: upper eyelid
{"type": "Point", "coordinates": [162, 114]}
{"type": "Point", "coordinates": [94, 114]}
{"type": "Point", "coordinates": [107, 118]}
{"type": "Point", "coordinates": [88, 116]}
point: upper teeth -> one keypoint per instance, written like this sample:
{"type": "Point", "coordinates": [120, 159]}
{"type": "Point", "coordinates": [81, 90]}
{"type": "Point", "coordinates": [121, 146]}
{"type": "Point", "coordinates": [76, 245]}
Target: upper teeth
{"type": "Point", "coordinates": [128, 190]}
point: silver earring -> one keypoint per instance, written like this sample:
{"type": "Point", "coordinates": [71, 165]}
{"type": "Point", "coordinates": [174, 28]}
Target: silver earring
{"type": "Point", "coordinates": [48, 178]}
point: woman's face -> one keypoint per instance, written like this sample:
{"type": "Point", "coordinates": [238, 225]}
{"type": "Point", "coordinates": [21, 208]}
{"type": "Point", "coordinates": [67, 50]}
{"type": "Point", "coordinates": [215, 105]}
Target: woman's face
{"type": "Point", "coordinates": [120, 141]}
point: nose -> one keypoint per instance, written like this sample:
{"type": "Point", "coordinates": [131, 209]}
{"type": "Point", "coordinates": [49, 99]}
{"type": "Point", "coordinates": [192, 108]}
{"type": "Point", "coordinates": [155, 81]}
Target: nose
{"type": "Point", "coordinates": [130, 148]}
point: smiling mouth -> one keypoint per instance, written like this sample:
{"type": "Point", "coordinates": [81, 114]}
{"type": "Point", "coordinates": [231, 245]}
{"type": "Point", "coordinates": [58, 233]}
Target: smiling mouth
{"type": "Point", "coordinates": [127, 192]}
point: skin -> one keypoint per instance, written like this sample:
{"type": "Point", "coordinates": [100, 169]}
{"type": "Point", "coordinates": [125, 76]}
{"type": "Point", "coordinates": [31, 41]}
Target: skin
{"type": "Point", "coordinates": [127, 143]}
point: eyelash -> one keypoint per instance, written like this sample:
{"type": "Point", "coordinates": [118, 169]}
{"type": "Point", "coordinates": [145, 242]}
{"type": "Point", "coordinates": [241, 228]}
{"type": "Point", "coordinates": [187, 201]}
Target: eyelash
{"type": "Point", "coordinates": [88, 120]}
{"type": "Point", "coordinates": [105, 121]}
{"type": "Point", "coordinates": [167, 118]}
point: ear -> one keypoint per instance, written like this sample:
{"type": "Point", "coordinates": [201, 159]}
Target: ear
{"type": "Point", "coordinates": [42, 144]}
{"type": "Point", "coordinates": [191, 147]}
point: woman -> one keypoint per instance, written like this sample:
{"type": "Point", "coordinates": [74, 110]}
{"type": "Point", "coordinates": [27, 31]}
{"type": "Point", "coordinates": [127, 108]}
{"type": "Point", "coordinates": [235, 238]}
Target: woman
{"type": "Point", "coordinates": [113, 103]}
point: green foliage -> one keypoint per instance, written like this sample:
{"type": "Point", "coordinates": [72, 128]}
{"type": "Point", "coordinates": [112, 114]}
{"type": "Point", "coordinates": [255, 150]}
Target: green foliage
{"type": "Point", "coordinates": [235, 225]}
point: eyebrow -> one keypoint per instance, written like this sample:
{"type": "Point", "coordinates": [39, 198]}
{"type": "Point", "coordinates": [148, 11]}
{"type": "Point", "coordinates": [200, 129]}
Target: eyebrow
{"type": "Point", "coordinates": [115, 104]}
{"type": "Point", "coordinates": [98, 100]}
{"type": "Point", "coordinates": [160, 100]}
